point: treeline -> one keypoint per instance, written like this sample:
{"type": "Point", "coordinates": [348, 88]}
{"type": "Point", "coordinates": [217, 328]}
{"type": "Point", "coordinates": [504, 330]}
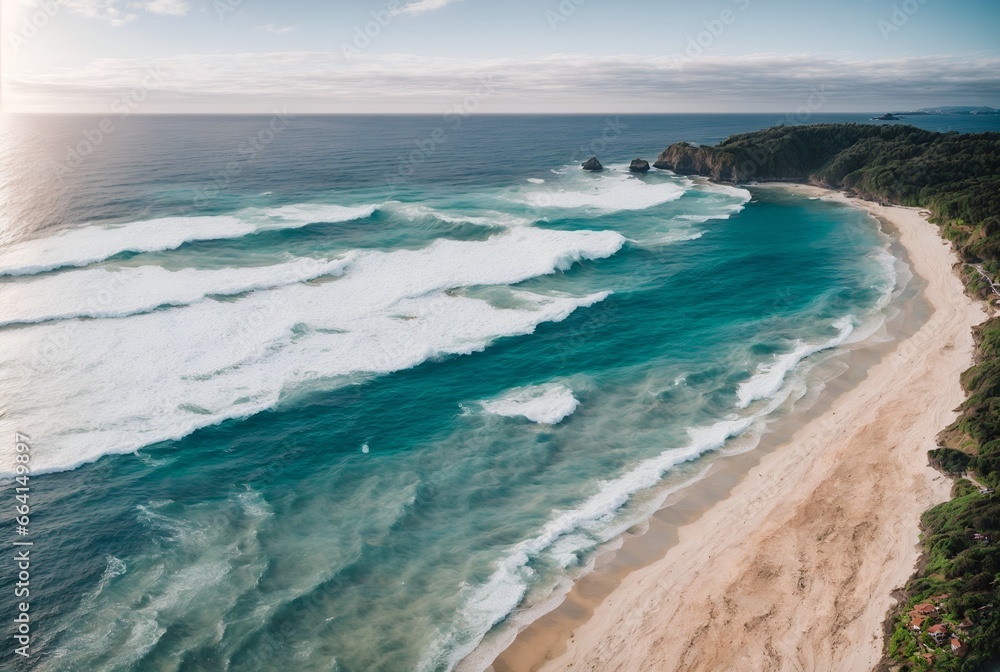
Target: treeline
{"type": "Point", "coordinates": [957, 178]}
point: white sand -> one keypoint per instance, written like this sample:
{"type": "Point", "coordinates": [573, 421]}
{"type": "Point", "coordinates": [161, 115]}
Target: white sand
{"type": "Point", "coordinates": [794, 569]}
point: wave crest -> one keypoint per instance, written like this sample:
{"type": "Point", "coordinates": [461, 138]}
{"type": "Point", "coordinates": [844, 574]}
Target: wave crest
{"type": "Point", "coordinates": [87, 245]}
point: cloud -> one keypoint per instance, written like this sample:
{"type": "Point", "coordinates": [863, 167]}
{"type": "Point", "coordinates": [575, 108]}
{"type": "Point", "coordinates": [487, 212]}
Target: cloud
{"type": "Point", "coordinates": [422, 6]}
{"type": "Point", "coordinates": [323, 82]}
{"type": "Point", "coordinates": [272, 28]}
{"type": "Point", "coordinates": [108, 10]}
{"type": "Point", "coordinates": [100, 9]}
{"type": "Point", "coordinates": [168, 7]}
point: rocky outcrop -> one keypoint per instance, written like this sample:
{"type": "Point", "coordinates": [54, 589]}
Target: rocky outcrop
{"type": "Point", "coordinates": [687, 159]}
{"type": "Point", "coordinates": [593, 165]}
{"type": "Point", "coordinates": [639, 166]}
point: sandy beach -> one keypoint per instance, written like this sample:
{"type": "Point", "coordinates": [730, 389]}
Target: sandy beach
{"type": "Point", "coordinates": [794, 569]}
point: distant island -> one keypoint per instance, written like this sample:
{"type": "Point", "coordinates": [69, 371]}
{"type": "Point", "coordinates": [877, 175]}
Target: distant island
{"type": "Point", "coordinates": [954, 109]}
{"type": "Point", "coordinates": [888, 116]}
{"type": "Point", "coordinates": [957, 178]}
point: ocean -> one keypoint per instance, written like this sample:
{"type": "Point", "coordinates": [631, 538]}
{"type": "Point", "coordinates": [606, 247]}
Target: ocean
{"type": "Point", "coordinates": [366, 393]}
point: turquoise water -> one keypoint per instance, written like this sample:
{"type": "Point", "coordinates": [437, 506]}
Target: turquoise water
{"type": "Point", "coordinates": [330, 419]}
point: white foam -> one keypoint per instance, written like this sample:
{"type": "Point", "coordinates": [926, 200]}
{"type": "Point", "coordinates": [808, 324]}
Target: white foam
{"type": "Point", "coordinates": [891, 276]}
{"type": "Point", "coordinates": [115, 568]}
{"type": "Point", "coordinates": [316, 213]}
{"type": "Point", "coordinates": [890, 271]}
{"type": "Point", "coordinates": [770, 377]}
{"type": "Point", "coordinates": [254, 504]}
{"type": "Point", "coordinates": [676, 236]}
{"type": "Point", "coordinates": [736, 192]}
{"type": "Point", "coordinates": [701, 219]}
{"type": "Point", "coordinates": [89, 244]}
{"type": "Point", "coordinates": [741, 195]}
{"type": "Point", "coordinates": [536, 180]}
{"type": "Point", "coordinates": [612, 495]}
{"type": "Point", "coordinates": [727, 213]}
{"type": "Point", "coordinates": [713, 208]}
{"type": "Point", "coordinates": [86, 245]}
{"type": "Point", "coordinates": [609, 193]}
{"type": "Point", "coordinates": [101, 292]}
{"type": "Point", "coordinates": [545, 404]}
{"type": "Point", "coordinates": [93, 387]}
{"type": "Point", "coordinates": [494, 218]}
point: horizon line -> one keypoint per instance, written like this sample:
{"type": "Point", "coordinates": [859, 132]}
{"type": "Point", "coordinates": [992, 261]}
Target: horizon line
{"type": "Point", "coordinates": [476, 114]}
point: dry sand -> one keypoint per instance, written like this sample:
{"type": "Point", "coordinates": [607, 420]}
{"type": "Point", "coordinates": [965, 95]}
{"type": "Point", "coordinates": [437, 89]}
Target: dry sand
{"type": "Point", "coordinates": [794, 570]}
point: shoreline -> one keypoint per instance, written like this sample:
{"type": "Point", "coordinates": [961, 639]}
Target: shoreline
{"type": "Point", "coordinates": [738, 580]}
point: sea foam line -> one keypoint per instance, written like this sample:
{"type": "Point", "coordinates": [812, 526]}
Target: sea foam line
{"type": "Point", "coordinates": [105, 293]}
{"type": "Point", "coordinates": [608, 193]}
{"type": "Point", "coordinates": [87, 245]}
{"type": "Point", "coordinates": [770, 377]}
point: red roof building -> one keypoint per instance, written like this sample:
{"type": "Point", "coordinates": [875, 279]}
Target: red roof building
{"type": "Point", "coordinates": [939, 632]}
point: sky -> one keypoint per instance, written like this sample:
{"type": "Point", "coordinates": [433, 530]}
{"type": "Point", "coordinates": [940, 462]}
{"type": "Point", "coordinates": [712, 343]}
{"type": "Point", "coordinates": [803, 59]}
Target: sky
{"type": "Point", "coordinates": [497, 56]}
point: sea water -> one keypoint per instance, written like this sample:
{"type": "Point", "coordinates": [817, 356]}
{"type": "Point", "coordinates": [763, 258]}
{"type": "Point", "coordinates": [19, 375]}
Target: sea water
{"type": "Point", "coordinates": [349, 399]}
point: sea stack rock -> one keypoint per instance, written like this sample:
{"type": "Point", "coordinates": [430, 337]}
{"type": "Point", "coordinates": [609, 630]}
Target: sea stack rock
{"type": "Point", "coordinates": [639, 166]}
{"type": "Point", "coordinates": [592, 165]}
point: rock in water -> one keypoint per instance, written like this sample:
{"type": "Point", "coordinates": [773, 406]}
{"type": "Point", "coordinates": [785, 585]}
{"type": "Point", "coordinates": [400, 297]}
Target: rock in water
{"type": "Point", "coordinates": [592, 164]}
{"type": "Point", "coordinates": [639, 166]}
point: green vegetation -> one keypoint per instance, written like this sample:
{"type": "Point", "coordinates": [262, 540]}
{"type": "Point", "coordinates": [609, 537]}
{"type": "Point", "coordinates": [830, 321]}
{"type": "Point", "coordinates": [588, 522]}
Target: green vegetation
{"type": "Point", "coordinates": [950, 460]}
{"type": "Point", "coordinates": [963, 568]}
{"type": "Point", "coordinates": [957, 178]}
